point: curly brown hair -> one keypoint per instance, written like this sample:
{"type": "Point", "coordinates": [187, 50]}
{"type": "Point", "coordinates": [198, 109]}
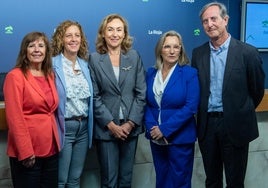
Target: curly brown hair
{"type": "Point", "coordinates": [22, 60]}
{"type": "Point", "coordinates": [57, 40]}
{"type": "Point", "coordinates": [101, 46]}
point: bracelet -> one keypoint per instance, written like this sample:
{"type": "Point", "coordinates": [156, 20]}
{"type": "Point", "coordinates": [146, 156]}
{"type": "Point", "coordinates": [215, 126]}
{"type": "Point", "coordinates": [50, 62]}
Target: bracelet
{"type": "Point", "coordinates": [131, 123]}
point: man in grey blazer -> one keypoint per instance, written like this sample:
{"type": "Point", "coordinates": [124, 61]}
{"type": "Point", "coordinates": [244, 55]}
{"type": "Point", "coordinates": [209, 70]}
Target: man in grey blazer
{"type": "Point", "coordinates": [232, 85]}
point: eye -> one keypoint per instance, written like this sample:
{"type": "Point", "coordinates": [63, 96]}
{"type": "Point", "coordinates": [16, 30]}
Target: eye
{"type": "Point", "coordinates": [41, 45]}
{"type": "Point", "coordinates": [166, 47]}
{"type": "Point", "coordinates": [68, 35]}
{"type": "Point", "coordinates": [110, 29]}
{"type": "Point", "coordinates": [119, 29]}
{"type": "Point", "coordinates": [177, 47]}
{"type": "Point", "coordinates": [205, 21]}
{"type": "Point", "coordinates": [214, 19]}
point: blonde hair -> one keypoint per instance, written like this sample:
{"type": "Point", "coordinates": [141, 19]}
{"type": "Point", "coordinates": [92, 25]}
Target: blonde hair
{"type": "Point", "coordinates": [101, 46]}
{"type": "Point", "coordinates": [183, 59]}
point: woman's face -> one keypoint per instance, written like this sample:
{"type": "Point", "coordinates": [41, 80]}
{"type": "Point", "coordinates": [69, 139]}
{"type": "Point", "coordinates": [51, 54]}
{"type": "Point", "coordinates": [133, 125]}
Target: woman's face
{"type": "Point", "coordinates": [36, 51]}
{"type": "Point", "coordinates": [72, 40]}
{"type": "Point", "coordinates": [114, 33]}
{"type": "Point", "coordinates": [170, 50]}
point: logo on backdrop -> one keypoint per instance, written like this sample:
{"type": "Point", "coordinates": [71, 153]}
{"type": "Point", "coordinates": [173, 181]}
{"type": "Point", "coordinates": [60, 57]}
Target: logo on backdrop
{"type": "Point", "coordinates": [9, 29]}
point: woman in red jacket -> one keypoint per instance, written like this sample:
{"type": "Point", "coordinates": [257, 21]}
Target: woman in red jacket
{"type": "Point", "coordinates": [31, 100]}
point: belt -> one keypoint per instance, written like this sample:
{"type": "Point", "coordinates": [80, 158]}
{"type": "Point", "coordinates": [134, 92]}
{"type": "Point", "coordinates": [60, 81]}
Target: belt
{"type": "Point", "coordinates": [76, 118]}
{"type": "Point", "coordinates": [215, 114]}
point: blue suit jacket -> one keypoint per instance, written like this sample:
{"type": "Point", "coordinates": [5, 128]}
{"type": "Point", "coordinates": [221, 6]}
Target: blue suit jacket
{"type": "Point", "coordinates": [61, 87]}
{"type": "Point", "coordinates": [178, 106]}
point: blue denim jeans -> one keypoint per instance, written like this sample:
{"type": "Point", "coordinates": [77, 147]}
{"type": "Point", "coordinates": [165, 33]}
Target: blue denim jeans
{"type": "Point", "coordinates": [73, 155]}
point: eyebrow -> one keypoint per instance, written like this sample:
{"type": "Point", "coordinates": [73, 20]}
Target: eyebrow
{"type": "Point", "coordinates": [114, 27]}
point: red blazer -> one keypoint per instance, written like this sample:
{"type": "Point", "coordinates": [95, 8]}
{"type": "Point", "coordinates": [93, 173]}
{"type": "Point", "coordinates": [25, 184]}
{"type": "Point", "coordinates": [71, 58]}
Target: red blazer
{"type": "Point", "coordinates": [31, 122]}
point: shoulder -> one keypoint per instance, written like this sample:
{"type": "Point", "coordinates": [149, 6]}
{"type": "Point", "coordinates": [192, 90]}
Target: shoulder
{"type": "Point", "coordinates": [16, 72]}
{"type": "Point", "coordinates": [57, 57]}
{"type": "Point", "coordinates": [239, 45]}
{"type": "Point", "coordinates": [94, 55]}
{"type": "Point", "coordinates": [95, 58]}
{"type": "Point", "coordinates": [82, 61]}
{"type": "Point", "coordinates": [132, 54]}
{"type": "Point", "coordinates": [15, 76]}
{"type": "Point", "coordinates": [188, 70]}
{"type": "Point", "coordinates": [56, 60]}
{"type": "Point", "coordinates": [244, 51]}
{"type": "Point", "coordinates": [201, 47]}
{"type": "Point", "coordinates": [151, 71]}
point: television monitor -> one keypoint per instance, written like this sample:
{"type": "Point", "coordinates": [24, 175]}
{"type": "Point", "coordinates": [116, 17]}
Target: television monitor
{"type": "Point", "coordinates": [254, 23]}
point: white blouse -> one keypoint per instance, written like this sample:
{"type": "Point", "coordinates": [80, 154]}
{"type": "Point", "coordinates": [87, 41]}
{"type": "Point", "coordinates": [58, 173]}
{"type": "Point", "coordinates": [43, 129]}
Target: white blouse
{"type": "Point", "coordinates": [159, 87]}
{"type": "Point", "coordinates": [77, 90]}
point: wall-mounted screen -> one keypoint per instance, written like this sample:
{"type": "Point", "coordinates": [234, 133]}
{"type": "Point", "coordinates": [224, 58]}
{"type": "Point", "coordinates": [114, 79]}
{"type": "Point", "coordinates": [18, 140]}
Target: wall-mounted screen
{"type": "Point", "coordinates": [147, 20]}
{"type": "Point", "coordinates": [254, 23]}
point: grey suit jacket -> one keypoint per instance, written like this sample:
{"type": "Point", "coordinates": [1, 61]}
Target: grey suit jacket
{"type": "Point", "coordinates": [243, 89]}
{"type": "Point", "coordinates": [109, 95]}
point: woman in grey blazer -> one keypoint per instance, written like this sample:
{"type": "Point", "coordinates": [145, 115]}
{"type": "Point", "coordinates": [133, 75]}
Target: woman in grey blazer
{"type": "Point", "coordinates": [119, 86]}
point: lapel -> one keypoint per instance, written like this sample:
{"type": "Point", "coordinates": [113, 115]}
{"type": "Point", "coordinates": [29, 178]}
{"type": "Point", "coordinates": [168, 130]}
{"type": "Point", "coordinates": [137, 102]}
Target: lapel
{"type": "Point", "coordinates": [57, 64]}
{"type": "Point", "coordinates": [85, 70]}
{"type": "Point", "coordinates": [36, 87]}
{"type": "Point", "coordinates": [150, 83]}
{"type": "Point", "coordinates": [176, 75]}
{"type": "Point", "coordinates": [54, 92]}
{"type": "Point", "coordinates": [125, 67]}
{"type": "Point", "coordinates": [205, 66]}
{"type": "Point", "coordinates": [106, 66]}
{"type": "Point", "coordinates": [229, 63]}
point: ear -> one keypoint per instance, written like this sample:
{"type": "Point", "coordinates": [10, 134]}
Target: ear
{"type": "Point", "coordinates": [226, 19]}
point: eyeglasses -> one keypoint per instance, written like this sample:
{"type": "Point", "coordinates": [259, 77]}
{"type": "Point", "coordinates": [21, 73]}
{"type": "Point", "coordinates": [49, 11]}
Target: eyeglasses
{"type": "Point", "coordinates": [176, 48]}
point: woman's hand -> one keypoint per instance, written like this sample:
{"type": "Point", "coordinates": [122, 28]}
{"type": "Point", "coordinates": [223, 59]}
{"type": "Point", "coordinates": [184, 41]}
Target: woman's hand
{"type": "Point", "coordinates": [29, 162]}
{"type": "Point", "coordinates": [155, 132]}
{"type": "Point", "coordinates": [118, 131]}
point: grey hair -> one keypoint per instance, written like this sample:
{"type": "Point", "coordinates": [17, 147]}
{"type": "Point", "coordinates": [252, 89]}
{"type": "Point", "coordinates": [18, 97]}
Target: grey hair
{"type": "Point", "coordinates": [222, 7]}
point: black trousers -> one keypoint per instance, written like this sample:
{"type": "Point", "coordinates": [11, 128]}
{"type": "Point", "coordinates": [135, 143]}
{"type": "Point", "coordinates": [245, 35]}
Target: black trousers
{"type": "Point", "coordinates": [220, 154]}
{"type": "Point", "coordinates": [44, 173]}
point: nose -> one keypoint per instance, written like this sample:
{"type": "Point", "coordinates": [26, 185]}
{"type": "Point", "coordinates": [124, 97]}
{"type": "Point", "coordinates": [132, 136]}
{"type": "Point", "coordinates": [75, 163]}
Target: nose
{"type": "Point", "coordinates": [172, 50]}
{"type": "Point", "coordinates": [114, 33]}
{"type": "Point", "coordinates": [209, 23]}
{"type": "Point", "coordinates": [36, 48]}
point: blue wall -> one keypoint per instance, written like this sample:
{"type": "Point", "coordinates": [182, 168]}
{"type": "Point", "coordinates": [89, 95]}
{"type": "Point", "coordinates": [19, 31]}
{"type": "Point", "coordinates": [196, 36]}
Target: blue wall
{"type": "Point", "coordinates": [147, 20]}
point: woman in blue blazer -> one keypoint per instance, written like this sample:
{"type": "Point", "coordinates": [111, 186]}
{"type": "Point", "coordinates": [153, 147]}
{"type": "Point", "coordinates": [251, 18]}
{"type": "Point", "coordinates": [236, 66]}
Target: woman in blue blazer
{"type": "Point", "coordinates": [75, 112]}
{"type": "Point", "coordinates": [172, 101]}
